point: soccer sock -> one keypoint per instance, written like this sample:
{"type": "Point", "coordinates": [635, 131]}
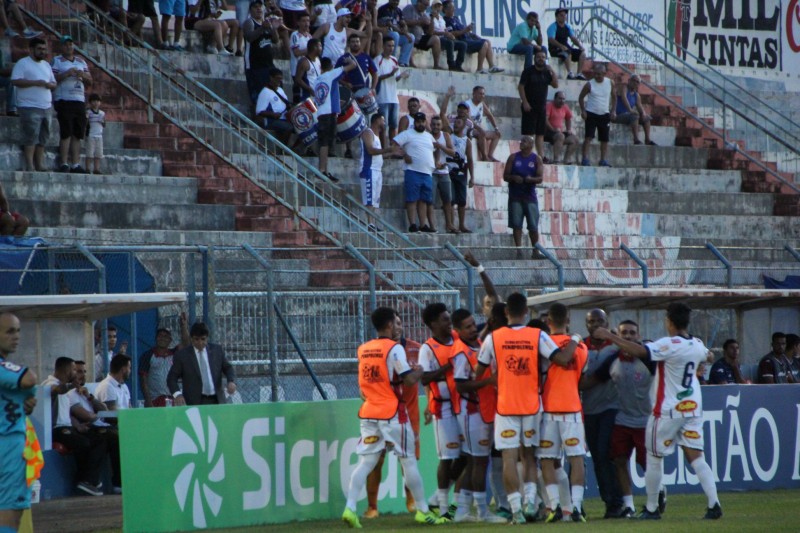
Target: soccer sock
{"type": "Point", "coordinates": [553, 499]}
{"type": "Point", "coordinates": [442, 496]}
{"type": "Point", "coordinates": [652, 480]}
{"type": "Point", "coordinates": [414, 482]}
{"type": "Point", "coordinates": [480, 502]}
{"type": "Point", "coordinates": [577, 497]}
{"type": "Point", "coordinates": [541, 490]}
{"type": "Point", "coordinates": [530, 492]}
{"type": "Point", "coordinates": [627, 501]}
{"type": "Point", "coordinates": [563, 487]}
{"type": "Point", "coordinates": [515, 501]}
{"type": "Point", "coordinates": [463, 502]}
{"type": "Point", "coordinates": [433, 501]}
{"type": "Point", "coordinates": [706, 477]}
{"type": "Point", "coordinates": [496, 483]}
{"type": "Point", "coordinates": [366, 463]}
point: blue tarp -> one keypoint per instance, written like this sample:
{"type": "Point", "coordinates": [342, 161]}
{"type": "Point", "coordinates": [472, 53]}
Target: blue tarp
{"type": "Point", "coordinates": [790, 282]}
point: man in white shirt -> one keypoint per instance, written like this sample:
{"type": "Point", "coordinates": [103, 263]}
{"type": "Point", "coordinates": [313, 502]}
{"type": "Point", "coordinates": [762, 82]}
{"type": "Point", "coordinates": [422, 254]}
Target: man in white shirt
{"type": "Point", "coordinates": [113, 391]}
{"type": "Point", "coordinates": [388, 76]}
{"type": "Point", "coordinates": [33, 77]}
{"type": "Point", "coordinates": [72, 76]}
{"type": "Point", "coordinates": [298, 46]}
{"type": "Point", "coordinates": [418, 148]}
{"type": "Point", "coordinates": [273, 105]}
{"type": "Point", "coordinates": [597, 101]}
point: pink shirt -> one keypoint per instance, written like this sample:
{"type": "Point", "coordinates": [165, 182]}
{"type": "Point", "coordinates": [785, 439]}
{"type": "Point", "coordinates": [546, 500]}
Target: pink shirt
{"type": "Point", "coordinates": [557, 116]}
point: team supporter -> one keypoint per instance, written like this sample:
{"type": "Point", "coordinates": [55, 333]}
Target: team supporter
{"type": "Point", "coordinates": [11, 222]}
{"type": "Point", "coordinates": [273, 106]}
{"type": "Point", "coordinates": [526, 38]}
{"type": "Point", "coordinates": [72, 75]}
{"type": "Point", "coordinates": [141, 9]}
{"type": "Point", "coordinates": [326, 96]}
{"type": "Point", "coordinates": [388, 75]}
{"type": "Point", "coordinates": [559, 129]}
{"type": "Point", "coordinates": [420, 25]}
{"type": "Point", "coordinates": [630, 110]}
{"type": "Point", "coordinates": [391, 23]}
{"type": "Point", "coordinates": [793, 353]}
{"type": "Point", "coordinates": [726, 369]}
{"type": "Point", "coordinates": [597, 110]}
{"type": "Point", "coordinates": [384, 419]}
{"type": "Point", "coordinates": [560, 39]}
{"type": "Point", "coordinates": [516, 350]}
{"type": "Point", "coordinates": [677, 416]}
{"type": "Point", "coordinates": [477, 419]}
{"type": "Point", "coordinates": [293, 11]}
{"type": "Point", "coordinates": [334, 36]}
{"type": "Point", "coordinates": [407, 120]}
{"type": "Point", "coordinates": [259, 37]}
{"type": "Point", "coordinates": [532, 88]}
{"type": "Point", "coordinates": [308, 68]}
{"type": "Point", "coordinates": [485, 139]}
{"type": "Point", "coordinates": [455, 49]}
{"type": "Point", "coordinates": [523, 170]}
{"type": "Point", "coordinates": [372, 152]}
{"type": "Point", "coordinates": [462, 171]}
{"type": "Point", "coordinates": [632, 377]}
{"type": "Point", "coordinates": [462, 111]}
{"type": "Point", "coordinates": [417, 149]}
{"type": "Point", "coordinates": [96, 120]}
{"type": "Point", "coordinates": [168, 8]}
{"type": "Point", "coordinates": [365, 75]}
{"type": "Point", "coordinates": [562, 429]}
{"type": "Point", "coordinates": [204, 17]}
{"type": "Point", "coordinates": [298, 42]}
{"type": "Point", "coordinates": [443, 188]}
{"type": "Point", "coordinates": [445, 403]}
{"type": "Point", "coordinates": [474, 43]}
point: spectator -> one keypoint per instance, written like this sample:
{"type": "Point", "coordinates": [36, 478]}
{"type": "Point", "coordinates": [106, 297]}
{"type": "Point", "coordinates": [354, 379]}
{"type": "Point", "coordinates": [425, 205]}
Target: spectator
{"type": "Point", "coordinates": [72, 76]}
{"type": "Point", "coordinates": [113, 391]}
{"type": "Point", "coordinates": [11, 91]}
{"type": "Point", "coordinates": [176, 8]}
{"type": "Point", "coordinates": [407, 120]}
{"type": "Point", "coordinates": [630, 111]}
{"type": "Point", "coordinates": [559, 36]}
{"type": "Point", "coordinates": [526, 38]}
{"type": "Point", "coordinates": [793, 353]}
{"type": "Point", "coordinates": [366, 73]}
{"type": "Point", "coordinates": [326, 96]}
{"type": "Point", "coordinates": [146, 9]}
{"type": "Point", "coordinates": [417, 150]}
{"type": "Point", "coordinates": [376, 43]}
{"type": "Point", "coordinates": [33, 77]}
{"type": "Point", "coordinates": [523, 170]}
{"type": "Point", "coordinates": [597, 111]}
{"type": "Point", "coordinates": [259, 36]}
{"type": "Point", "coordinates": [371, 166]}
{"type": "Point", "coordinates": [204, 16]}
{"type": "Point", "coordinates": [334, 36]}
{"type": "Point", "coordinates": [454, 48]}
{"type": "Point", "coordinates": [11, 222]}
{"type": "Point", "coordinates": [11, 7]}
{"type": "Point", "coordinates": [308, 68]}
{"type": "Point", "coordinates": [273, 106]}
{"type": "Point", "coordinates": [486, 140]}
{"type": "Point", "coordinates": [293, 11]}
{"type": "Point", "coordinates": [419, 23]}
{"type": "Point", "coordinates": [298, 47]}
{"type": "Point", "coordinates": [462, 170]}
{"type": "Point", "coordinates": [532, 88]}
{"type": "Point", "coordinates": [242, 14]}
{"type": "Point", "coordinates": [462, 111]}
{"type": "Point", "coordinates": [775, 367]}
{"type": "Point", "coordinates": [726, 369]}
{"type": "Point", "coordinates": [474, 43]}
{"type": "Point", "coordinates": [391, 23]}
{"type": "Point", "coordinates": [274, 16]}
{"type": "Point", "coordinates": [88, 449]}
{"type": "Point", "coordinates": [559, 129]}
{"type": "Point", "coordinates": [324, 12]}
{"type": "Point", "coordinates": [200, 368]}
{"type": "Point", "coordinates": [443, 187]}
{"type": "Point", "coordinates": [96, 118]}
{"type": "Point", "coordinates": [388, 75]}
{"type": "Point", "coordinates": [154, 365]}
{"type": "Point", "coordinates": [99, 360]}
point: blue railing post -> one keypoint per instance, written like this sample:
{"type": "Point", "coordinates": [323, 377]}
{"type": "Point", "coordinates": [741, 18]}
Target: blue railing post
{"type": "Point", "coordinates": [793, 252]}
{"type": "Point", "coordinates": [559, 267]}
{"type": "Point", "coordinates": [206, 252]}
{"type": "Point", "coordinates": [271, 310]}
{"type": "Point", "coordinates": [101, 289]}
{"type": "Point", "coordinates": [373, 298]}
{"type": "Point", "coordinates": [191, 290]}
{"type": "Point", "coordinates": [724, 260]}
{"type": "Point", "coordinates": [470, 276]}
{"type": "Point", "coordinates": [134, 331]}
{"type": "Point", "coordinates": [638, 260]}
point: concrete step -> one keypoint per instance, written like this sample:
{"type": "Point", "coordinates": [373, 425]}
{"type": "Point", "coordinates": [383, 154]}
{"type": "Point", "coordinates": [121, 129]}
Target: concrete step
{"type": "Point", "coordinates": [147, 237]}
{"type": "Point", "coordinates": [11, 133]}
{"type": "Point", "coordinates": [69, 187]}
{"type": "Point", "coordinates": [705, 203]}
{"type": "Point", "coordinates": [116, 160]}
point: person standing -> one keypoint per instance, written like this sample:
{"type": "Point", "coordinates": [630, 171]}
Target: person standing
{"type": "Point", "coordinates": [677, 416]}
{"type": "Point", "coordinates": [298, 46]}
{"type": "Point", "coordinates": [334, 36]}
{"type": "Point", "coordinates": [523, 171]}
{"type": "Point", "coordinates": [388, 75]}
{"type": "Point", "coordinates": [33, 77]}
{"type": "Point", "coordinates": [532, 89]}
{"type": "Point", "coordinates": [597, 110]}
{"type": "Point", "coordinates": [200, 367]}
{"type": "Point", "coordinates": [372, 153]}
{"type": "Point", "coordinates": [417, 148]}
{"type": "Point", "coordinates": [441, 174]}
{"type": "Point", "coordinates": [168, 9]}
{"type": "Point", "coordinates": [72, 76]}
{"type": "Point", "coordinates": [259, 37]}
{"type": "Point", "coordinates": [308, 68]}
{"type": "Point", "coordinates": [526, 38]}
{"type": "Point", "coordinates": [326, 96]}
{"type": "Point", "coordinates": [382, 368]}
{"type": "Point", "coordinates": [96, 118]}
{"type": "Point", "coordinates": [154, 365]}
{"type": "Point", "coordinates": [462, 170]}
{"type": "Point", "coordinates": [18, 386]}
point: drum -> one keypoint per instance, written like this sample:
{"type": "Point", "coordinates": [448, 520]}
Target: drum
{"type": "Point", "coordinates": [367, 100]}
{"type": "Point", "coordinates": [303, 117]}
{"type": "Point", "coordinates": [350, 123]}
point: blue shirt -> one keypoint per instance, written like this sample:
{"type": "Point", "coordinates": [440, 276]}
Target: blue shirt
{"type": "Point", "coordinates": [525, 167]}
{"type": "Point", "coordinates": [560, 34]}
{"type": "Point", "coordinates": [358, 78]}
{"type": "Point", "coordinates": [12, 398]}
{"type": "Point", "coordinates": [632, 97]}
{"type": "Point", "coordinates": [721, 373]}
{"type": "Point", "coordinates": [522, 31]}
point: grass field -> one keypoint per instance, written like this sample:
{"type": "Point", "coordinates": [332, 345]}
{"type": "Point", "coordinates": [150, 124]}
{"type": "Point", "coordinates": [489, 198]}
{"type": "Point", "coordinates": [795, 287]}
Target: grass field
{"type": "Point", "coordinates": [771, 512]}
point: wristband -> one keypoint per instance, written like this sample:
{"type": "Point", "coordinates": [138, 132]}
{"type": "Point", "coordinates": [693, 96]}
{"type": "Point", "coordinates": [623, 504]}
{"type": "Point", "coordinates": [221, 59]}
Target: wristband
{"type": "Point", "coordinates": [480, 269]}
{"type": "Point", "coordinates": [576, 339]}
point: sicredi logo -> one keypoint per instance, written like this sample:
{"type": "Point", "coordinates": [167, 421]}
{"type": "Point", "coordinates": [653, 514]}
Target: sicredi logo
{"type": "Point", "coordinates": [191, 485]}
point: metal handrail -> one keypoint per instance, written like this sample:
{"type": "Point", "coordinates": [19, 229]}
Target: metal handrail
{"type": "Point", "coordinates": [237, 140]}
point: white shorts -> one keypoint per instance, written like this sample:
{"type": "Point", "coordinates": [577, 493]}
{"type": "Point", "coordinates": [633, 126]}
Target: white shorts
{"type": "Point", "coordinates": [94, 147]}
{"type": "Point", "coordinates": [477, 434]}
{"type": "Point", "coordinates": [662, 434]}
{"type": "Point", "coordinates": [448, 437]}
{"type": "Point", "coordinates": [561, 433]}
{"type": "Point", "coordinates": [371, 186]}
{"type": "Point", "coordinates": [515, 431]}
{"type": "Point", "coordinates": [377, 435]}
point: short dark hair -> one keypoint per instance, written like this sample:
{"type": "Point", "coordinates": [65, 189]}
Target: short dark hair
{"type": "Point", "coordinates": [36, 41]}
{"type": "Point", "coordinates": [111, 327]}
{"type": "Point", "coordinates": [517, 304]}
{"type": "Point", "coordinates": [413, 99]}
{"type": "Point", "coordinates": [478, 87]}
{"type": "Point", "coordinates": [679, 313]}
{"type": "Point", "coordinates": [382, 316]}
{"type": "Point", "coordinates": [462, 105]}
{"type": "Point", "coordinates": [118, 362]}
{"type": "Point", "coordinates": [353, 36]}
{"type": "Point", "coordinates": [79, 363]}
{"type": "Point", "coordinates": [199, 329]}
{"type": "Point", "coordinates": [558, 313]}
{"type": "Point", "coordinates": [325, 63]}
{"type": "Point", "coordinates": [459, 316]}
{"type": "Point", "coordinates": [792, 340]}
{"type": "Point", "coordinates": [532, 15]}
{"type": "Point", "coordinates": [497, 316]}
{"type": "Point", "coordinates": [432, 312]}
{"type": "Point", "coordinates": [728, 343]}
{"type": "Point", "coordinates": [538, 323]}
{"type": "Point", "coordinates": [312, 43]}
{"type": "Point", "coordinates": [375, 117]}
{"type": "Point", "coordinates": [159, 331]}
{"type": "Point", "coordinates": [387, 39]}
{"type": "Point", "coordinates": [629, 323]}
{"type": "Point", "coordinates": [274, 71]}
{"type": "Point", "coordinates": [94, 97]}
{"type": "Point", "coordinates": [63, 363]}
{"type": "Point", "coordinates": [777, 335]}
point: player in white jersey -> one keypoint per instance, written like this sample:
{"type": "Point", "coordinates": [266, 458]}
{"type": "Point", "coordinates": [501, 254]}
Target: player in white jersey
{"type": "Point", "coordinates": [677, 416]}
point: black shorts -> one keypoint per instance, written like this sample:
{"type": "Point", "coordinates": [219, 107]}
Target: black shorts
{"type": "Point", "coordinates": [459, 185]}
{"type": "Point", "coordinates": [599, 123]}
{"type": "Point", "coordinates": [327, 131]}
{"type": "Point", "coordinates": [534, 122]}
{"type": "Point", "coordinates": [145, 7]}
{"type": "Point", "coordinates": [560, 53]}
{"type": "Point", "coordinates": [72, 120]}
{"type": "Point", "coordinates": [424, 42]}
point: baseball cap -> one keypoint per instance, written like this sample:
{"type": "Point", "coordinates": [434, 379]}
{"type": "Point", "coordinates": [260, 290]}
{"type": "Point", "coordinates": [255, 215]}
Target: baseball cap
{"type": "Point", "coordinates": [343, 12]}
{"type": "Point", "coordinates": [420, 116]}
{"type": "Point", "coordinates": [562, 10]}
{"type": "Point", "coordinates": [66, 38]}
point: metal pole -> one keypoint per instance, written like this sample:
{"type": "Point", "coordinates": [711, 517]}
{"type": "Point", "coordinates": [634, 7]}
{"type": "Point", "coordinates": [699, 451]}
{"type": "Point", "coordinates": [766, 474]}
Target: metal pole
{"type": "Point", "coordinates": [792, 251]}
{"type": "Point", "coordinates": [470, 276]}
{"type": "Point", "coordinates": [637, 259]}
{"type": "Point", "coordinates": [559, 267]}
{"type": "Point", "coordinates": [191, 290]}
{"type": "Point", "coordinates": [101, 281]}
{"type": "Point", "coordinates": [134, 331]}
{"type": "Point", "coordinates": [206, 275]}
{"type": "Point", "coordinates": [724, 260]}
{"type": "Point", "coordinates": [271, 310]}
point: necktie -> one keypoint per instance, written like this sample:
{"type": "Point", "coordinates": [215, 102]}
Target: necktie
{"type": "Point", "coordinates": [205, 373]}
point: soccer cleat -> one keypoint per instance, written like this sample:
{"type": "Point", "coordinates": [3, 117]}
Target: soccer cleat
{"type": "Point", "coordinates": [430, 519]}
{"type": "Point", "coordinates": [371, 512]}
{"type": "Point", "coordinates": [351, 519]}
{"type": "Point", "coordinates": [465, 517]}
{"type": "Point", "coordinates": [532, 512]}
{"type": "Point", "coordinates": [662, 499]}
{"type": "Point", "coordinates": [490, 518]}
{"type": "Point", "coordinates": [502, 512]}
{"type": "Point", "coordinates": [518, 518]}
{"type": "Point", "coordinates": [553, 515]}
{"type": "Point", "coordinates": [578, 516]}
{"type": "Point", "coordinates": [714, 513]}
{"type": "Point", "coordinates": [649, 515]}
{"type": "Point", "coordinates": [628, 513]}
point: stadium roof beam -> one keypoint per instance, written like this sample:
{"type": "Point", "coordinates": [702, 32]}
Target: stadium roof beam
{"type": "Point", "coordinates": [88, 307]}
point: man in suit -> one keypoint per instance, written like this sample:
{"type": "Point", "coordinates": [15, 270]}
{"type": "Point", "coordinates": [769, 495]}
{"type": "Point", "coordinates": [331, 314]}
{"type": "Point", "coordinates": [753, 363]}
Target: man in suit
{"type": "Point", "coordinates": [200, 367]}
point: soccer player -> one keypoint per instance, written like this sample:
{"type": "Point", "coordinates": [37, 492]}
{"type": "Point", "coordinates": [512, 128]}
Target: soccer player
{"type": "Point", "coordinates": [562, 422]}
{"type": "Point", "coordinates": [384, 420]}
{"type": "Point", "coordinates": [516, 350]}
{"type": "Point", "coordinates": [677, 416]}
{"type": "Point", "coordinates": [480, 395]}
